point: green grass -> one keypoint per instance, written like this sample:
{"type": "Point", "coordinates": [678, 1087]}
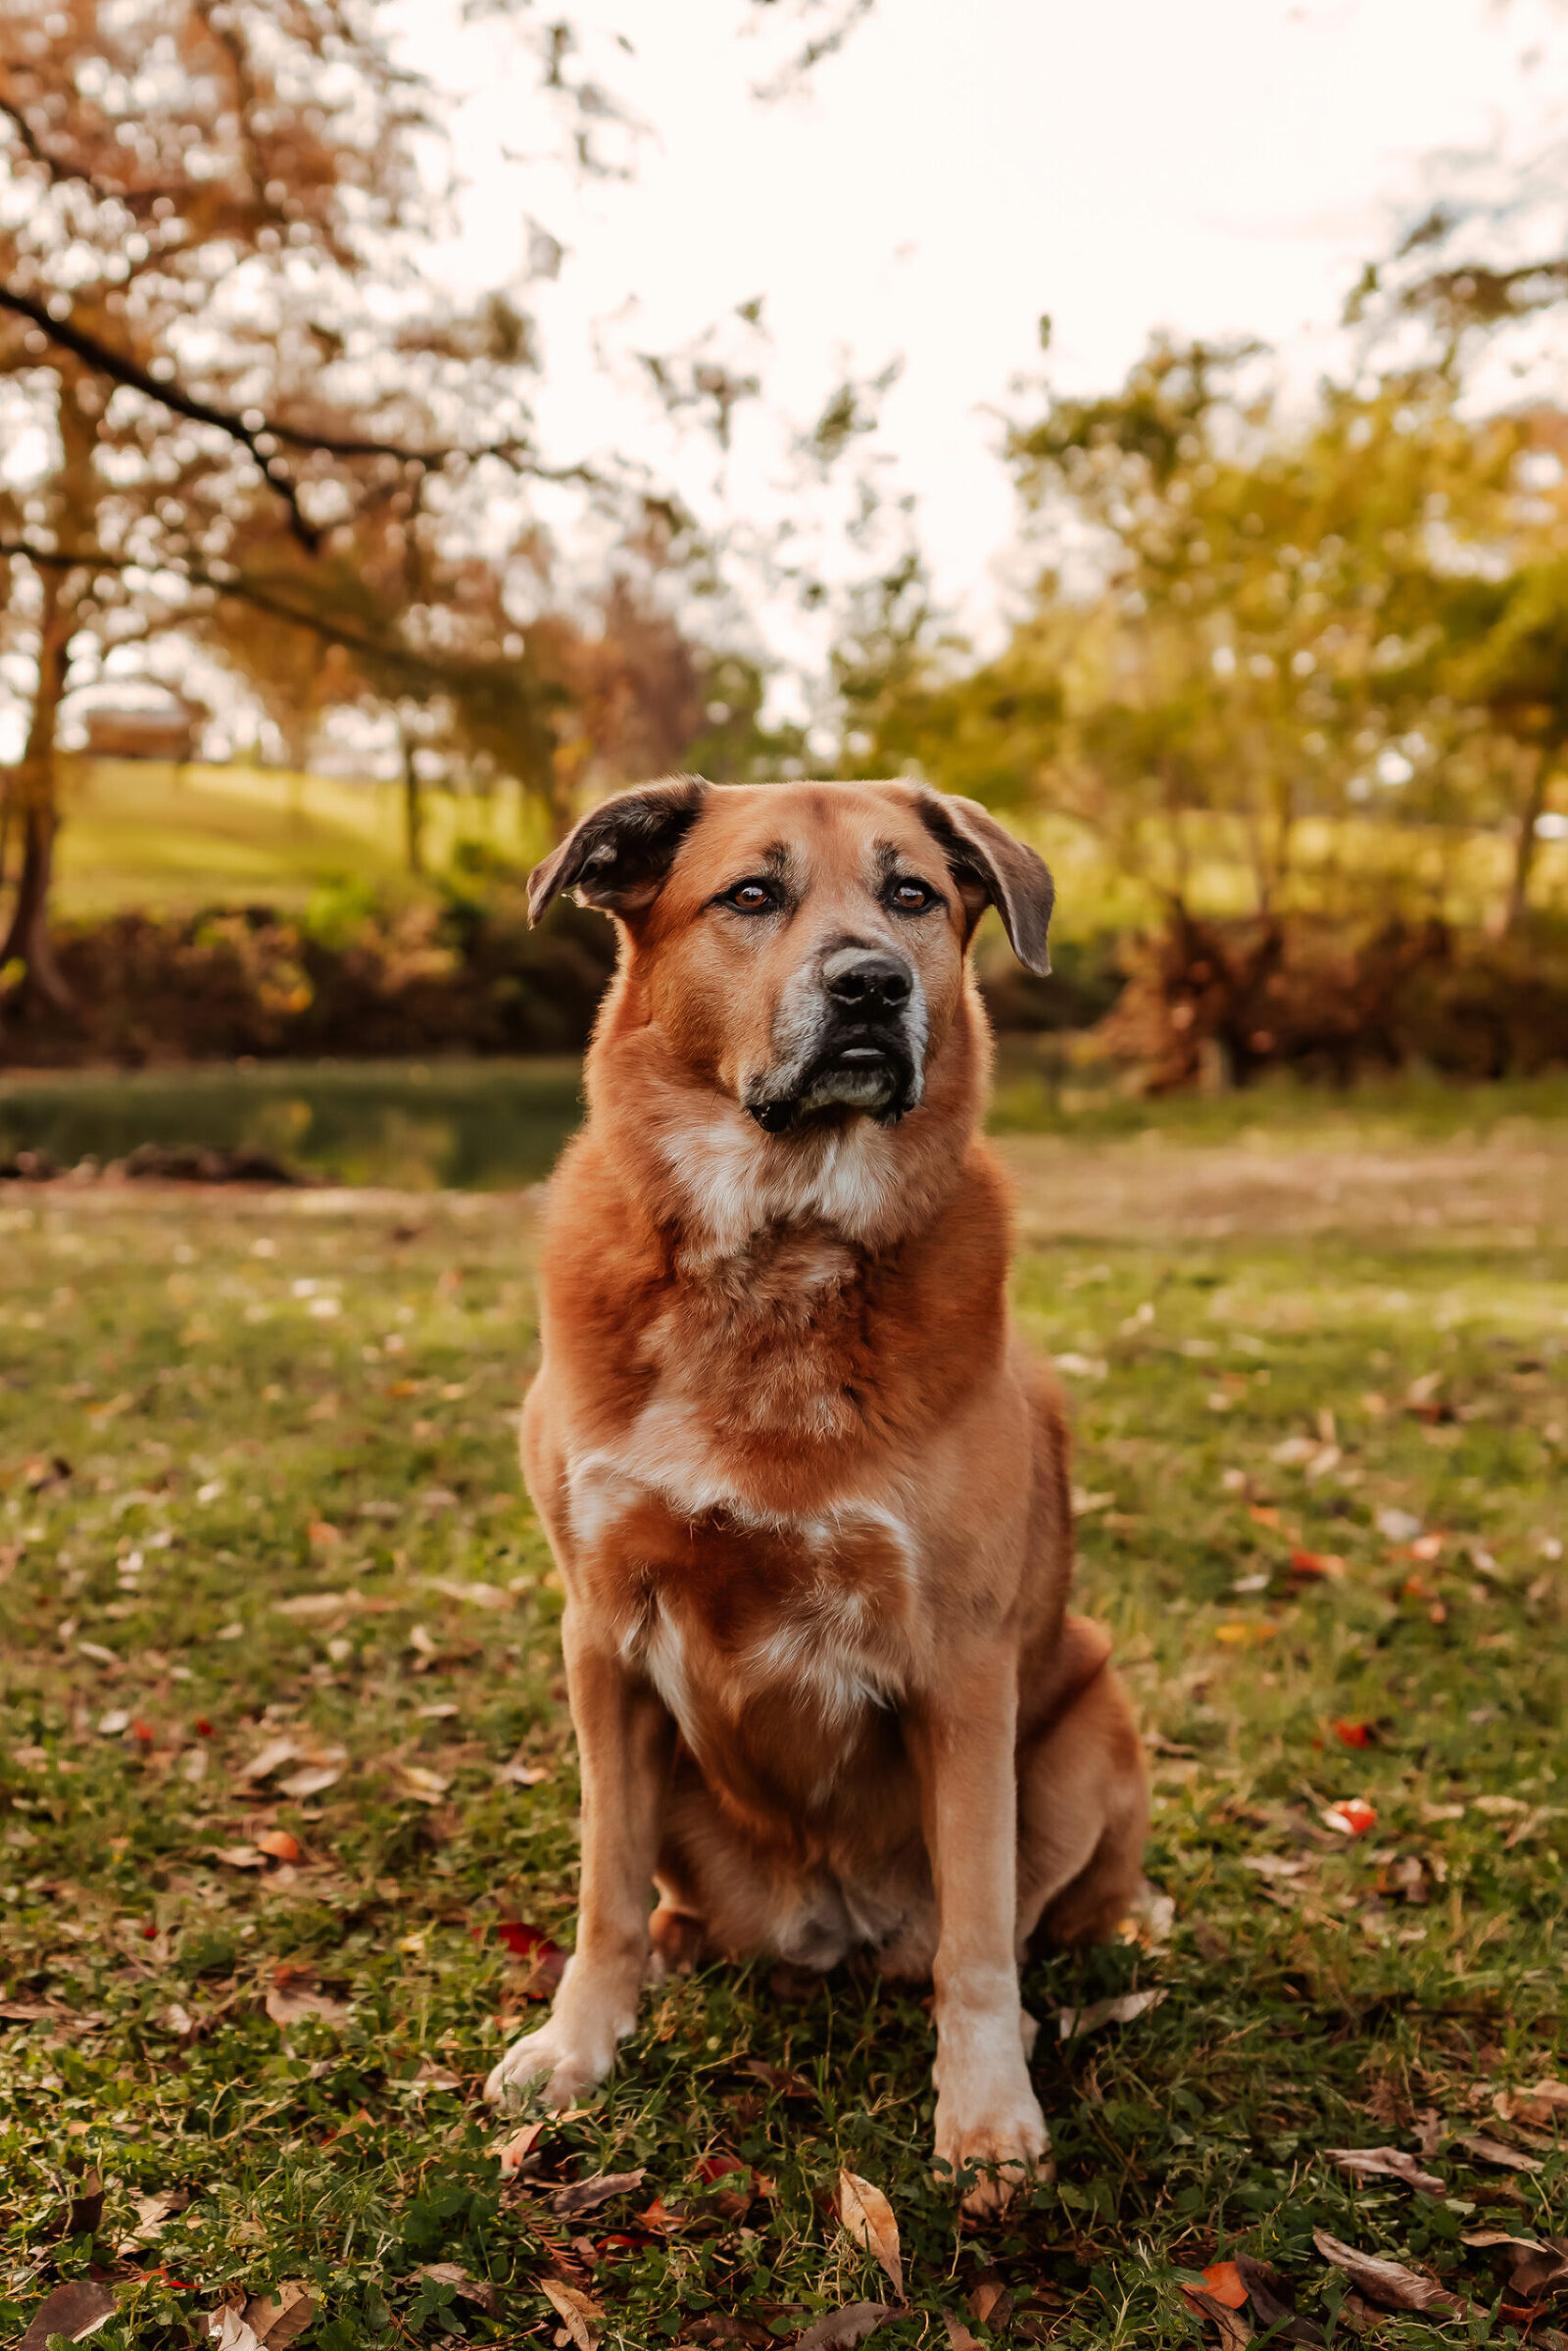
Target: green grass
{"type": "Point", "coordinates": [142, 835]}
{"type": "Point", "coordinates": [213, 1406]}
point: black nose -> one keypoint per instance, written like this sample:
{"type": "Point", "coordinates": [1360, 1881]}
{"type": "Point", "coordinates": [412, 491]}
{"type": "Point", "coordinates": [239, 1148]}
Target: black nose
{"type": "Point", "coordinates": [868, 979]}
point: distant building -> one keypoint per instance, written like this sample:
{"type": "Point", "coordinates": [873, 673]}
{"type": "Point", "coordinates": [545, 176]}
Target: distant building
{"type": "Point", "coordinates": [166, 725]}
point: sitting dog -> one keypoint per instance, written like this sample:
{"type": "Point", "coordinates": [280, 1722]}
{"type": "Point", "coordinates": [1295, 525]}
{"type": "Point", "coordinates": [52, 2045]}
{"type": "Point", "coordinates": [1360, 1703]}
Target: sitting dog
{"type": "Point", "coordinates": [806, 1490]}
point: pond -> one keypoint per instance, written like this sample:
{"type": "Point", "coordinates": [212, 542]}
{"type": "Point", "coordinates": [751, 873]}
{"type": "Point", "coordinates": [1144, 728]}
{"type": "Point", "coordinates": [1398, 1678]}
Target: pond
{"type": "Point", "coordinates": [471, 1125]}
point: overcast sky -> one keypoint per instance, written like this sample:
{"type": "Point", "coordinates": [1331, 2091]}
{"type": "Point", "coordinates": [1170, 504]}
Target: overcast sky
{"type": "Point", "coordinates": [1219, 166]}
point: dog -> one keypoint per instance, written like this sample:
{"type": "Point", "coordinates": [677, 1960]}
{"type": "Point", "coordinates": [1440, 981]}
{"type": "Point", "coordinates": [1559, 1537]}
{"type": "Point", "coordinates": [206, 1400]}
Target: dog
{"type": "Point", "coordinates": [807, 1491]}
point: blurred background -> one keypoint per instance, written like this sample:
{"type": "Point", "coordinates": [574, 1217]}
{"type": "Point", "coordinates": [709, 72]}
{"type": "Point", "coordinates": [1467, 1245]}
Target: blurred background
{"type": "Point", "coordinates": [418, 420]}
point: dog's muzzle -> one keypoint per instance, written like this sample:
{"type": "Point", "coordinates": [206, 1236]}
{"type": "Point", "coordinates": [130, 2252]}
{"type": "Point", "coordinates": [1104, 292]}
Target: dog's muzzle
{"type": "Point", "coordinates": [863, 1054]}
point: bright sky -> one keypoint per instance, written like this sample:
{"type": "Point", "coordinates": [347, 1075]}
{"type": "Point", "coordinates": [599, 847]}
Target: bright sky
{"type": "Point", "coordinates": [1221, 166]}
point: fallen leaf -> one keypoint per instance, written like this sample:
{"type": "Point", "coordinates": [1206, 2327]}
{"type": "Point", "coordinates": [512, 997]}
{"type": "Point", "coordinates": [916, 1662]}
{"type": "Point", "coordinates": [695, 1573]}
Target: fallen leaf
{"type": "Point", "coordinates": [531, 1943]}
{"type": "Point", "coordinates": [1541, 2106]}
{"type": "Point", "coordinates": [477, 2290]}
{"type": "Point", "coordinates": [1496, 2151]}
{"type": "Point", "coordinates": [580, 2197]}
{"type": "Point", "coordinates": [151, 2213]}
{"type": "Point", "coordinates": [426, 1786]}
{"type": "Point", "coordinates": [577, 2312]}
{"type": "Point", "coordinates": [271, 1758]}
{"type": "Point", "coordinates": [1232, 2331]}
{"type": "Point", "coordinates": [522, 1775]}
{"type": "Point", "coordinates": [276, 2319]}
{"type": "Point", "coordinates": [312, 1781]}
{"type": "Point", "coordinates": [958, 2337]}
{"type": "Point", "coordinates": [867, 2215]}
{"type": "Point", "coordinates": [316, 1603]}
{"type": "Point", "coordinates": [1119, 2011]}
{"type": "Point", "coordinates": [227, 2327]}
{"type": "Point", "coordinates": [1272, 2307]}
{"type": "Point", "coordinates": [1318, 1566]}
{"type": "Point", "coordinates": [431, 2076]}
{"type": "Point", "coordinates": [1535, 2270]}
{"type": "Point", "coordinates": [74, 2311]}
{"type": "Point", "coordinates": [842, 2329]}
{"type": "Point", "coordinates": [1384, 2162]}
{"type": "Point", "coordinates": [512, 2152]}
{"type": "Point", "coordinates": [1353, 1735]}
{"type": "Point", "coordinates": [1352, 1816]}
{"type": "Point", "coordinates": [287, 2006]}
{"type": "Point", "coordinates": [277, 1844]}
{"type": "Point", "coordinates": [989, 2302]}
{"type": "Point", "coordinates": [1398, 1526]}
{"type": "Point", "coordinates": [1387, 2284]}
{"type": "Point", "coordinates": [1248, 1632]}
{"type": "Point", "coordinates": [240, 1857]}
{"type": "Point", "coordinates": [1225, 2283]}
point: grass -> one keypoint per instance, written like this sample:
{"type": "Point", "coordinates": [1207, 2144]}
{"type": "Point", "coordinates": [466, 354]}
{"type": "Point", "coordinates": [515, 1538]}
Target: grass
{"type": "Point", "coordinates": [214, 1408]}
{"type": "Point", "coordinates": [145, 835]}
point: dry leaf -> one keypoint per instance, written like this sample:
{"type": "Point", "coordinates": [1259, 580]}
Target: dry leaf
{"type": "Point", "coordinates": [513, 2152]}
{"type": "Point", "coordinates": [227, 2330]}
{"type": "Point", "coordinates": [277, 1844]}
{"type": "Point", "coordinates": [316, 1603]}
{"type": "Point", "coordinates": [426, 1786]}
{"type": "Point", "coordinates": [1234, 2333]}
{"type": "Point", "coordinates": [1120, 2011]}
{"type": "Point", "coordinates": [276, 2319]}
{"type": "Point", "coordinates": [74, 2311]}
{"type": "Point", "coordinates": [431, 2076]}
{"type": "Point", "coordinates": [1321, 1567]}
{"type": "Point", "coordinates": [287, 2005]}
{"type": "Point", "coordinates": [958, 2337]}
{"type": "Point", "coordinates": [1493, 2150]}
{"type": "Point", "coordinates": [867, 2215]}
{"type": "Point", "coordinates": [842, 2329]}
{"type": "Point", "coordinates": [1541, 2106]}
{"type": "Point", "coordinates": [151, 2213]}
{"type": "Point", "coordinates": [1352, 1816]}
{"type": "Point", "coordinates": [1272, 2307]}
{"type": "Point", "coordinates": [583, 2196]}
{"type": "Point", "coordinates": [1533, 2270]}
{"type": "Point", "coordinates": [477, 2290]}
{"type": "Point", "coordinates": [85, 2207]}
{"type": "Point", "coordinates": [271, 1758]}
{"type": "Point", "coordinates": [989, 2302]}
{"type": "Point", "coordinates": [1384, 2162]}
{"type": "Point", "coordinates": [1387, 2284]}
{"type": "Point", "coordinates": [240, 1857]}
{"type": "Point", "coordinates": [312, 1780]}
{"type": "Point", "coordinates": [577, 2312]}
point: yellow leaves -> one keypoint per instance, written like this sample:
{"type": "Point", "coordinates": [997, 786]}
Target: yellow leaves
{"type": "Point", "coordinates": [867, 2217]}
{"type": "Point", "coordinates": [1248, 1633]}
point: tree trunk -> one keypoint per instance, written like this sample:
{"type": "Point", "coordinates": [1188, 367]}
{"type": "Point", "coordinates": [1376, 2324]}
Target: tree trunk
{"type": "Point", "coordinates": [412, 807]}
{"type": "Point", "coordinates": [33, 790]}
{"type": "Point", "coordinates": [1525, 847]}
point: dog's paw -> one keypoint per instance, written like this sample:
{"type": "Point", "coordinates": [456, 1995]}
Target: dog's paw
{"type": "Point", "coordinates": [1009, 2146]}
{"type": "Point", "coordinates": [548, 2066]}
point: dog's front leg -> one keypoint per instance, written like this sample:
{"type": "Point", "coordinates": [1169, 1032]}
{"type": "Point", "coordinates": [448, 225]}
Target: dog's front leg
{"type": "Point", "coordinates": [625, 1737]}
{"type": "Point", "coordinates": [962, 1740]}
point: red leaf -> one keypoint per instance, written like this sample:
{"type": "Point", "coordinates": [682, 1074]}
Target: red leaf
{"type": "Point", "coordinates": [1224, 2282]}
{"type": "Point", "coordinates": [1353, 1735]}
{"type": "Point", "coordinates": [202, 1727]}
{"type": "Point", "coordinates": [1317, 1566]}
{"type": "Point", "coordinates": [149, 1933]}
{"type": "Point", "coordinates": [1354, 1816]}
{"type": "Point", "coordinates": [278, 1844]}
{"type": "Point", "coordinates": [530, 1942]}
{"type": "Point", "coordinates": [718, 2166]}
{"type": "Point", "coordinates": [143, 1731]}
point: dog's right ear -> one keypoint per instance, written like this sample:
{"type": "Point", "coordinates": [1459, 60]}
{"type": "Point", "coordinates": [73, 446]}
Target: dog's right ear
{"type": "Point", "coordinates": [618, 855]}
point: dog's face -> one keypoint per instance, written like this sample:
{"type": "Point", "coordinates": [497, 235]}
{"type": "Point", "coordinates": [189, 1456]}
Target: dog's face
{"type": "Point", "coordinates": [801, 945]}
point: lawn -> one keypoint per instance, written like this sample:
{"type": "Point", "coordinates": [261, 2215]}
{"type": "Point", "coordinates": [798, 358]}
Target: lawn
{"type": "Point", "coordinates": [287, 1790]}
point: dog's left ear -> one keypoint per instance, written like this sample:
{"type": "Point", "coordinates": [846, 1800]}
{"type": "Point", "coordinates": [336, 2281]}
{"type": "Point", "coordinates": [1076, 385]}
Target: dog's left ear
{"type": "Point", "coordinates": [992, 869]}
{"type": "Point", "coordinates": [617, 858]}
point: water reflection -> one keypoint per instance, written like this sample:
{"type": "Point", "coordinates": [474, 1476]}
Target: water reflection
{"type": "Point", "coordinates": [471, 1125]}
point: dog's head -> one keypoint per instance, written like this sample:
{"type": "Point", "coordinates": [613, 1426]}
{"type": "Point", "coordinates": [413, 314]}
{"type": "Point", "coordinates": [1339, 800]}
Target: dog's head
{"type": "Point", "coordinates": [801, 945]}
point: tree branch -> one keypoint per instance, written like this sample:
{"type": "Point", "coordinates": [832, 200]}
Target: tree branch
{"type": "Point", "coordinates": [105, 359]}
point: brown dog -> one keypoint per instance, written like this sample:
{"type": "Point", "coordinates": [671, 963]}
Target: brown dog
{"type": "Point", "coordinates": [807, 1491]}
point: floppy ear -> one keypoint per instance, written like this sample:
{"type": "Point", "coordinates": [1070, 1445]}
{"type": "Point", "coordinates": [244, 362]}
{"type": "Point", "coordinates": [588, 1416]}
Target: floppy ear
{"type": "Point", "coordinates": [998, 870]}
{"type": "Point", "coordinates": [618, 855]}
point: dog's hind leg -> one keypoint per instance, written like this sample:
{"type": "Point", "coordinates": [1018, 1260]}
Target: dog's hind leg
{"type": "Point", "coordinates": [1083, 1808]}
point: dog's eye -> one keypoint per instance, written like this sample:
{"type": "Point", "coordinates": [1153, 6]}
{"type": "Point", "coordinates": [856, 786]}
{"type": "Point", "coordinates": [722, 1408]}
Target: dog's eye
{"type": "Point", "coordinates": [749, 898]}
{"type": "Point", "coordinates": [909, 897]}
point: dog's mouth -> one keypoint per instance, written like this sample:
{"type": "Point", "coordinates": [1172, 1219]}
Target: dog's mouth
{"type": "Point", "coordinates": [869, 1073]}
